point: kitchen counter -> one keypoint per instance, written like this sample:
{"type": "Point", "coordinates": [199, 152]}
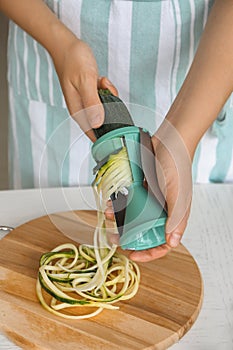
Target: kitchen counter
{"type": "Point", "coordinates": [208, 237]}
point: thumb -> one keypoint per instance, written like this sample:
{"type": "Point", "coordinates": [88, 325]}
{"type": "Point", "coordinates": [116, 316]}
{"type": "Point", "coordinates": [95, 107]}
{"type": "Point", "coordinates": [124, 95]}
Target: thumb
{"type": "Point", "coordinates": [178, 200]}
{"type": "Point", "coordinates": [174, 171]}
{"type": "Point", "coordinates": [174, 237]}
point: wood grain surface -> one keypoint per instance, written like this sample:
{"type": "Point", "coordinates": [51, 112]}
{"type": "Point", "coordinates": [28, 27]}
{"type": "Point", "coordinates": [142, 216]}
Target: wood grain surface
{"type": "Point", "coordinates": [165, 307]}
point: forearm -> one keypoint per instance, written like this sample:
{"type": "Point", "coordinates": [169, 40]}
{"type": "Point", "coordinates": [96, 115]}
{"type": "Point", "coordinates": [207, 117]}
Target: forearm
{"type": "Point", "coordinates": [35, 17]}
{"type": "Point", "coordinates": [210, 79]}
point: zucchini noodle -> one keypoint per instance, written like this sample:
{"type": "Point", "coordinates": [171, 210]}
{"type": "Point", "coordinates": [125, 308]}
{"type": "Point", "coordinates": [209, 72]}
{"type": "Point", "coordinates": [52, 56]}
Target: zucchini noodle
{"type": "Point", "coordinates": [97, 276]}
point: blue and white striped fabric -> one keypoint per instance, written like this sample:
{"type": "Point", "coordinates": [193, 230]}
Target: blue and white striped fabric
{"type": "Point", "coordinates": [145, 48]}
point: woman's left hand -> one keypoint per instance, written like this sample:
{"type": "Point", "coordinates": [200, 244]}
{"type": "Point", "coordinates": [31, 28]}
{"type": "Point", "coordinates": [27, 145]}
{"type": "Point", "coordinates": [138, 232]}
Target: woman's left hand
{"type": "Point", "coordinates": [173, 167]}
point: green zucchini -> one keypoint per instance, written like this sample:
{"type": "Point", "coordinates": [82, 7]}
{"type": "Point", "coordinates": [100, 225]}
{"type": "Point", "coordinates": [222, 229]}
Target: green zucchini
{"type": "Point", "coordinates": [116, 114]}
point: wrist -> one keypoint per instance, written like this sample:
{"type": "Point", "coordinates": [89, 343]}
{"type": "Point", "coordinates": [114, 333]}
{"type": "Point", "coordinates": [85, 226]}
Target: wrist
{"type": "Point", "coordinates": [61, 38]}
{"type": "Point", "coordinates": [180, 127]}
{"type": "Point", "coordinates": [188, 130]}
{"type": "Point", "coordinates": [193, 111]}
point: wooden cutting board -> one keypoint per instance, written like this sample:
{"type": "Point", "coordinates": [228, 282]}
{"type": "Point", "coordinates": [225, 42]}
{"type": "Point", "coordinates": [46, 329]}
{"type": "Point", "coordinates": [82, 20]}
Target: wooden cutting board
{"type": "Point", "coordinates": [165, 307]}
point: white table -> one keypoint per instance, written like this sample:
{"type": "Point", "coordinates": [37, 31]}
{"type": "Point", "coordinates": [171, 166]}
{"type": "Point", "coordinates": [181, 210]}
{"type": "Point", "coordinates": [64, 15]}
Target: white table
{"type": "Point", "coordinates": [209, 237]}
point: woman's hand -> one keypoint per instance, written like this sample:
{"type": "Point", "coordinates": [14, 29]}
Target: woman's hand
{"type": "Point", "coordinates": [173, 168]}
{"type": "Point", "coordinates": [78, 74]}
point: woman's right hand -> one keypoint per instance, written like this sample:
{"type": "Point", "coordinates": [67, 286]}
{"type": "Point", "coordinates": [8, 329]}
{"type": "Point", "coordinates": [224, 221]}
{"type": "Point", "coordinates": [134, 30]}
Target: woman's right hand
{"type": "Point", "coordinates": [78, 74]}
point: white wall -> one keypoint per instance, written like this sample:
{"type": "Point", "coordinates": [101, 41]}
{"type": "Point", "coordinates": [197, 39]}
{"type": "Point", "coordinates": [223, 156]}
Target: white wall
{"type": "Point", "coordinates": [3, 104]}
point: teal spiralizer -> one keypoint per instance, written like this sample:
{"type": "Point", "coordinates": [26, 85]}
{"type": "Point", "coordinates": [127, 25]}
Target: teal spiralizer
{"type": "Point", "coordinates": [139, 213]}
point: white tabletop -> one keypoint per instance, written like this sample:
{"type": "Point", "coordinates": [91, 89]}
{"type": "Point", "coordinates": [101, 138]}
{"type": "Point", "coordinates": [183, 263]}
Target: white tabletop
{"type": "Point", "coordinates": [209, 238]}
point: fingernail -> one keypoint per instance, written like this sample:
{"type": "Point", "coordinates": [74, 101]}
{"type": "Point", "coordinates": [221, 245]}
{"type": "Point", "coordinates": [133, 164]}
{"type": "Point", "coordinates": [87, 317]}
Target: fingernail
{"type": "Point", "coordinates": [174, 240]}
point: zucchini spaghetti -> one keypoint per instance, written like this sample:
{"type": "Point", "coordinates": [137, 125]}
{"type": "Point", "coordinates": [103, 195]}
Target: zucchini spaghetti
{"type": "Point", "coordinates": [95, 277]}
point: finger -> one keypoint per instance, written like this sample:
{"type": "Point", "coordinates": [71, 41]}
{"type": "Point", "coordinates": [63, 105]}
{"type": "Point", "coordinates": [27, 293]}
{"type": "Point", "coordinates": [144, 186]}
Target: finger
{"type": "Point", "coordinates": [109, 203]}
{"type": "Point", "coordinates": [91, 102]}
{"type": "Point", "coordinates": [73, 99]}
{"type": "Point", "coordinates": [105, 83]}
{"type": "Point", "coordinates": [150, 254]}
{"type": "Point", "coordinates": [75, 107]}
{"type": "Point", "coordinates": [114, 239]}
{"type": "Point", "coordinates": [174, 238]}
{"type": "Point", "coordinates": [178, 199]}
{"type": "Point", "coordinates": [109, 214]}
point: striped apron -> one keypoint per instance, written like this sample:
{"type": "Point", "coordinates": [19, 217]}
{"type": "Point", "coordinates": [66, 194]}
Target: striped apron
{"type": "Point", "coordinates": [145, 48]}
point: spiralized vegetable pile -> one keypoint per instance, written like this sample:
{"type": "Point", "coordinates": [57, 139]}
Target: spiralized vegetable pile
{"type": "Point", "coordinates": [90, 276]}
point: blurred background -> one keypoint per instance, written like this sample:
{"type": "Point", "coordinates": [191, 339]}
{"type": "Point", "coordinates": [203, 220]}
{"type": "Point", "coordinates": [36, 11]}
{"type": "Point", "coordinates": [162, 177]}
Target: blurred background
{"type": "Point", "coordinates": [3, 103]}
